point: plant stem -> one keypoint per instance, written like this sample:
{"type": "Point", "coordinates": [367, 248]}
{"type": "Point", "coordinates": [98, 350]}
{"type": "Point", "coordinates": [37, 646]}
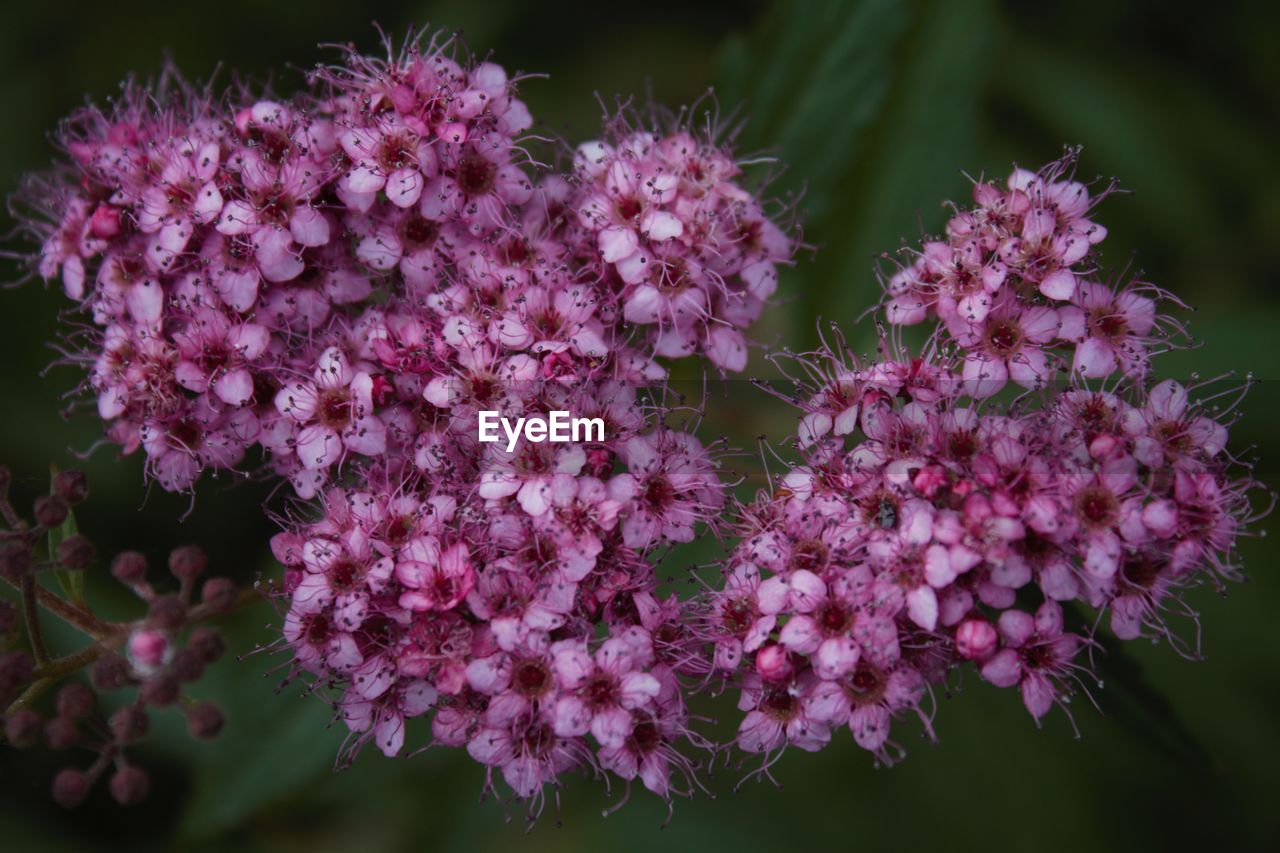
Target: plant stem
{"type": "Point", "coordinates": [32, 617]}
{"type": "Point", "coordinates": [55, 670]}
{"type": "Point", "coordinates": [82, 619]}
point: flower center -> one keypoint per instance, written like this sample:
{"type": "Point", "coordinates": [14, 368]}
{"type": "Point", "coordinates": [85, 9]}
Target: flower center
{"type": "Point", "coordinates": [335, 408]}
{"type": "Point", "coordinates": [476, 175]}
{"type": "Point", "coordinates": [418, 231]}
{"type": "Point", "coordinates": [1003, 336]}
{"type": "Point", "coordinates": [531, 678]}
{"type": "Point", "coordinates": [1097, 506]}
{"type": "Point", "coordinates": [599, 690]}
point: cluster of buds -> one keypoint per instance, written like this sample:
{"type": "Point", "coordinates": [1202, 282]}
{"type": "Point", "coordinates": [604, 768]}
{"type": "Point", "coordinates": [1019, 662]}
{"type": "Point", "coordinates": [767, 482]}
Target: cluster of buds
{"type": "Point", "coordinates": [132, 666]}
{"type": "Point", "coordinates": [348, 278]}
{"type": "Point", "coordinates": [930, 526]}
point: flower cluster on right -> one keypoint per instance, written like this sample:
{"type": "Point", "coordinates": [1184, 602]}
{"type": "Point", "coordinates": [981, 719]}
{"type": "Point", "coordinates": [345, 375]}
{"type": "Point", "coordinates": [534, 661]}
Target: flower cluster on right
{"type": "Point", "coordinates": [939, 519]}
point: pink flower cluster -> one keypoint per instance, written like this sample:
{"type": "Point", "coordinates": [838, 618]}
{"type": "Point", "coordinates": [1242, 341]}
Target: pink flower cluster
{"type": "Point", "coordinates": [1013, 284]}
{"type": "Point", "coordinates": [928, 528]}
{"type": "Point", "coordinates": [346, 279]}
{"type": "Point", "coordinates": [235, 261]}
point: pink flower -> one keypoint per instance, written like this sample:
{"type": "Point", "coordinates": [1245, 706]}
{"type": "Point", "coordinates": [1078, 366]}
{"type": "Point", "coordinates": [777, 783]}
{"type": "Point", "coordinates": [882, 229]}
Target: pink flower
{"type": "Point", "coordinates": [1037, 656]}
{"type": "Point", "coordinates": [438, 585]}
{"type": "Point", "coordinates": [334, 412]}
{"type": "Point", "coordinates": [217, 354]}
{"type": "Point", "coordinates": [1112, 330]}
{"type": "Point", "coordinates": [779, 715]}
{"type": "Point", "coordinates": [600, 692]}
{"type": "Point", "coordinates": [183, 195]}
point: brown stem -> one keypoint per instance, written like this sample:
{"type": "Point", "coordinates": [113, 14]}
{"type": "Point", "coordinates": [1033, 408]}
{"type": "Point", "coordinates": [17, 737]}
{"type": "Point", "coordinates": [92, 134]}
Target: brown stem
{"type": "Point", "coordinates": [55, 670]}
{"type": "Point", "coordinates": [81, 618]}
{"type": "Point", "coordinates": [32, 617]}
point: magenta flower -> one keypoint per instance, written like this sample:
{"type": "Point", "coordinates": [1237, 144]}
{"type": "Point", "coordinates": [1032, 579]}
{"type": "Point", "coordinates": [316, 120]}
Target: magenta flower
{"type": "Point", "coordinates": [599, 693]}
{"type": "Point", "coordinates": [334, 412]}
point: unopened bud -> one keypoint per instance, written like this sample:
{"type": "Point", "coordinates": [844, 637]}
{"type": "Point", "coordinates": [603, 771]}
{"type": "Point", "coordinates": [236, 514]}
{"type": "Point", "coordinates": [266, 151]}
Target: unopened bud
{"type": "Point", "coordinates": [208, 642]}
{"type": "Point", "coordinates": [129, 786]}
{"type": "Point", "coordinates": [22, 728]}
{"type": "Point", "coordinates": [70, 787]}
{"type": "Point", "coordinates": [187, 562]}
{"type": "Point", "coordinates": [187, 665]}
{"type": "Point", "coordinates": [51, 510]}
{"type": "Point", "coordinates": [61, 733]}
{"type": "Point", "coordinates": [76, 553]}
{"type": "Point", "coordinates": [15, 671]}
{"type": "Point", "coordinates": [204, 721]}
{"type": "Point", "coordinates": [110, 672]}
{"type": "Point", "coordinates": [160, 690]}
{"type": "Point", "coordinates": [219, 594]}
{"type": "Point", "coordinates": [71, 486]}
{"type": "Point", "coordinates": [976, 639]}
{"type": "Point", "coordinates": [773, 663]}
{"type": "Point", "coordinates": [167, 612]}
{"type": "Point", "coordinates": [15, 559]}
{"type": "Point", "coordinates": [129, 567]}
{"type": "Point", "coordinates": [148, 650]}
{"type": "Point", "coordinates": [129, 724]}
{"type": "Point", "coordinates": [75, 700]}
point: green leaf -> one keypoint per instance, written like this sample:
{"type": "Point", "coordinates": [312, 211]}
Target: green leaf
{"type": "Point", "coordinates": [875, 107]}
{"type": "Point", "coordinates": [275, 743]}
{"type": "Point", "coordinates": [72, 583]}
{"type": "Point", "coordinates": [825, 80]}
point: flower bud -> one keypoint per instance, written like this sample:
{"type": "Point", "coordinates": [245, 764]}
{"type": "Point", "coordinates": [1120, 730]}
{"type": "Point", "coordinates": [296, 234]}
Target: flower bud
{"type": "Point", "coordinates": [129, 724]}
{"type": "Point", "coordinates": [15, 559]}
{"type": "Point", "coordinates": [976, 639]}
{"type": "Point", "coordinates": [204, 721]}
{"type": "Point", "coordinates": [61, 732]}
{"type": "Point", "coordinates": [160, 690]}
{"type": "Point", "coordinates": [129, 786]}
{"type": "Point", "coordinates": [75, 700]}
{"type": "Point", "coordinates": [72, 486]}
{"type": "Point", "coordinates": [773, 663]}
{"type": "Point", "coordinates": [148, 650]}
{"type": "Point", "coordinates": [167, 612]}
{"type": "Point", "coordinates": [208, 642]}
{"type": "Point", "coordinates": [187, 665]}
{"type": "Point", "coordinates": [22, 728]}
{"type": "Point", "coordinates": [15, 671]}
{"type": "Point", "coordinates": [219, 594]}
{"type": "Point", "coordinates": [110, 672]}
{"type": "Point", "coordinates": [105, 222]}
{"type": "Point", "coordinates": [129, 567]}
{"type": "Point", "coordinates": [76, 553]}
{"type": "Point", "coordinates": [70, 787]}
{"type": "Point", "coordinates": [51, 510]}
{"type": "Point", "coordinates": [187, 562]}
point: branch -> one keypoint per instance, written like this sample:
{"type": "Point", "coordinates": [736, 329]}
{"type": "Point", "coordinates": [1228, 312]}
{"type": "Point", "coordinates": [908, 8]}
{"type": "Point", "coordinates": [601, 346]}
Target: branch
{"type": "Point", "coordinates": [32, 618]}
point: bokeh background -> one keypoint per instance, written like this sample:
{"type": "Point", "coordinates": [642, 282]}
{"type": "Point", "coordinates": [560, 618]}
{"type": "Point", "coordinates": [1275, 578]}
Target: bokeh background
{"type": "Point", "coordinates": [879, 107]}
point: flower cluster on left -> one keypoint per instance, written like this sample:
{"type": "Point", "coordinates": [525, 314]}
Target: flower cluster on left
{"type": "Point", "coordinates": [344, 279]}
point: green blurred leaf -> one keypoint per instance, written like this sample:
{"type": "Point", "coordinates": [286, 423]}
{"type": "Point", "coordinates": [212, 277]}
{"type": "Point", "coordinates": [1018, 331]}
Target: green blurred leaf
{"type": "Point", "coordinates": [276, 741]}
{"type": "Point", "coordinates": [876, 107]}
{"type": "Point", "coordinates": [72, 583]}
{"type": "Point", "coordinates": [824, 81]}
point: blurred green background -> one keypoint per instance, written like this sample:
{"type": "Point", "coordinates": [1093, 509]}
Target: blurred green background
{"type": "Point", "coordinates": [878, 106]}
